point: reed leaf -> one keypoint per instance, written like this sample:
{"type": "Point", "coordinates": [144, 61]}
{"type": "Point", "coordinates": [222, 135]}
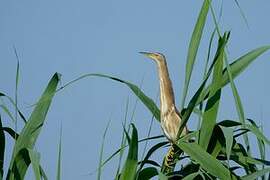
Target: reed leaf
{"type": "Point", "coordinates": [194, 46]}
{"type": "Point", "coordinates": [31, 130]}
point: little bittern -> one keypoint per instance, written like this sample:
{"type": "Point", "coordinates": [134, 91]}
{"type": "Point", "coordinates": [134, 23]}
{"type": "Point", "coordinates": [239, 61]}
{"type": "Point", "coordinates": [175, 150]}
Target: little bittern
{"type": "Point", "coordinates": [169, 115]}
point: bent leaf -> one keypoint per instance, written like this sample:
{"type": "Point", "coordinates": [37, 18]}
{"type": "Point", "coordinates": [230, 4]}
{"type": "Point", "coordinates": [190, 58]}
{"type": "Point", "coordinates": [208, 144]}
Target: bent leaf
{"type": "Point", "coordinates": [236, 67]}
{"type": "Point", "coordinates": [148, 102]}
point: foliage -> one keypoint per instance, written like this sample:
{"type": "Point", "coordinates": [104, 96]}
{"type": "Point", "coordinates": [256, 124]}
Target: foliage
{"type": "Point", "coordinates": [213, 151]}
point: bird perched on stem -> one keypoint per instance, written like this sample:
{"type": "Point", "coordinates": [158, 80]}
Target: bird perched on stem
{"type": "Point", "coordinates": [169, 115]}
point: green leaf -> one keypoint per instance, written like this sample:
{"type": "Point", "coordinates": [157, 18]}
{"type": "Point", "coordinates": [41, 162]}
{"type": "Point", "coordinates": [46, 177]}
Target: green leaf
{"type": "Point", "coordinates": [31, 130]}
{"type": "Point", "coordinates": [256, 174]}
{"type": "Point", "coordinates": [147, 173]}
{"type": "Point", "coordinates": [228, 134]}
{"type": "Point", "coordinates": [14, 104]}
{"type": "Point", "coordinates": [11, 132]}
{"type": "Point", "coordinates": [21, 162]}
{"type": "Point", "coordinates": [212, 105]}
{"type": "Point", "coordinates": [240, 64]}
{"type": "Point", "coordinates": [123, 141]}
{"type": "Point", "coordinates": [121, 148]}
{"type": "Point", "coordinates": [194, 46]}
{"type": "Point", "coordinates": [238, 104]}
{"type": "Point", "coordinates": [237, 67]}
{"type": "Point", "coordinates": [126, 134]}
{"type": "Point", "coordinates": [208, 162]}
{"type": "Point", "coordinates": [241, 12]}
{"type": "Point", "coordinates": [162, 176]}
{"type": "Point", "coordinates": [102, 151]}
{"type": "Point", "coordinates": [130, 166]}
{"type": "Point", "coordinates": [189, 136]}
{"type": "Point", "coordinates": [148, 102]}
{"type": "Point", "coordinates": [239, 155]}
{"type": "Point", "coordinates": [194, 100]}
{"type": "Point", "coordinates": [35, 159]}
{"type": "Point", "coordinates": [256, 131]}
{"type": "Point", "coordinates": [151, 151]}
{"type": "Point", "coordinates": [59, 160]}
{"type": "Point", "coordinates": [229, 123]}
{"type": "Point", "coordinates": [191, 176]}
{"type": "Point", "coordinates": [250, 127]}
{"type": "Point", "coordinates": [6, 110]}
{"type": "Point", "coordinates": [43, 174]}
{"type": "Point", "coordinates": [2, 149]}
{"type": "Point", "coordinates": [151, 162]}
{"type": "Point", "coordinates": [217, 142]}
{"type": "Point", "coordinates": [16, 88]}
{"type": "Point", "coordinates": [261, 146]}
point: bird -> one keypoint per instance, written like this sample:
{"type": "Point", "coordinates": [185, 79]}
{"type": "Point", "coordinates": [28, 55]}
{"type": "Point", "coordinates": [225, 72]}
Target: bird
{"type": "Point", "coordinates": [169, 115]}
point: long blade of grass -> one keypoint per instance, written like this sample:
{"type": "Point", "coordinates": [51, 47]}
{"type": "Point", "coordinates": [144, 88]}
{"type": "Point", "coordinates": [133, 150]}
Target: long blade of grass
{"type": "Point", "coordinates": [194, 100]}
{"type": "Point", "coordinates": [35, 159]}
{"type": "Point", "coordinates": [6, 110]}
{"type": "Point", "coordinates": [241, 155]}
{"type": "Point", "coordinates": [228, 134]}
{"type": "Point", "coordinates": [240, 64]}
{"type": "Point", "coordinates": [130, 167]}
{"type": "Point", "coordinates": [102, 151]}
{"type": "Point", "coordinates": [2, 149]}
{"type": "Point", "coordinates": [148, 102]}
{"type": "Point", "coordinates": [119, 150]}
{"type": "Point", "coordinates": [123, 141]}
{"type": "Point", "coordinates": [237, 67]}
{"type": "Point", "coordinates": [260, 143]}
{"type": "Point", "coordinates": [194, 46]}
{"type": "Point", "coordinates": [237, 99]}
{"type": "Point", "coordinates": [43, 174]}
{"type": "Point", "coordinates": [261, 146]}
{"type": "Point", "coordinates": [229, 123]}
{"type": "Point", "coordinates": [11, 132]}
{"type": "Point", "coordinates": [151, 162]}
{"type": "Point", "coordinates": [249, 127]}
{"type": "Point", "coordinates": [239, 106]}
{"type": "Point", "coordinates": [256, 131]}
{"type": "Point", "coordinates": [191, 176]}
{"type": "Point", "coordinates": [151, 151]}
{"type": "Point", "coordinates": [59, 159]}
{"type": "Point", "coordinates": [148, 133]}
{"type": "Point", "coordinates": [242, 12]}
{"type": "Point", "coordinates": [32, 129]}
{"type": "Point", "coordinates": [13, 103]}
{"type": "Point", "coordinates": [212, 105]}
{"type": "Point", "coordinates": [201, 105]}
{"type": "Point", "coordinates": [147, 173]}
{"type": "Point", "coordinates": [16, 87]}
{"type": "Point", "coordinates": [208, 162]}
{"type": "Point", "coordinates": [256, 174]}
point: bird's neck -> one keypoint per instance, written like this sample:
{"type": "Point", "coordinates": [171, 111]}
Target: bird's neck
{"type": "Point", "coordinates": [166, 90]}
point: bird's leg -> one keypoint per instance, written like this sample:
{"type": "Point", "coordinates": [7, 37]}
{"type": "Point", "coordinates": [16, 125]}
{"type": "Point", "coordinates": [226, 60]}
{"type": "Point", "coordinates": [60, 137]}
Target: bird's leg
{"type": "Point", "coordinates": [170, 159]}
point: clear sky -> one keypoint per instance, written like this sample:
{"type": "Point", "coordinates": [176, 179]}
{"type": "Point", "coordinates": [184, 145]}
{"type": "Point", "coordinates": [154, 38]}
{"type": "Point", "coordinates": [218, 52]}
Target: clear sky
{"type": "Point", "coordinates": [74, 37]}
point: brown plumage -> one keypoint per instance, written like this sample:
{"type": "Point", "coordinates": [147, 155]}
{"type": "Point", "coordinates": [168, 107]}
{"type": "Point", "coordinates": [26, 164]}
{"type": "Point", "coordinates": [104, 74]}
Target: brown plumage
{"type": "Point", "coordinates": [169, 115]}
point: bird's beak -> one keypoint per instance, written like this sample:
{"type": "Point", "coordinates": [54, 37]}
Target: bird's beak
{"type": "Point", "coordinates": [148, 54]}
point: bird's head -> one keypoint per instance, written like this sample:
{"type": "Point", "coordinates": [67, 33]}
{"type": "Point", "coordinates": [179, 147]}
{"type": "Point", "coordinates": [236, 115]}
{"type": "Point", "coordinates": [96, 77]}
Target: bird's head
{"type": "Point", "coordinates": [154, 56]}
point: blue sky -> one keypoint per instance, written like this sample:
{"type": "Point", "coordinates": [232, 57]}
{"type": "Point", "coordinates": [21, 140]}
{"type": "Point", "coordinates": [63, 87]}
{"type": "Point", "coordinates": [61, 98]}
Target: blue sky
{"type": "Point", "coordinates": [77, 37]}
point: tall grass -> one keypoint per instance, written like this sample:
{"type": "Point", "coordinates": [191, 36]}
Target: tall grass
{"type": "Point", "coordinates": [212, 151]}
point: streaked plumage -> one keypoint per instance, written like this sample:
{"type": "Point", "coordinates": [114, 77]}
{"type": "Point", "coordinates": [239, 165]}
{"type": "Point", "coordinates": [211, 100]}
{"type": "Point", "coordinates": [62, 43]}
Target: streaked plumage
{"type": "Point", "coordinates": [170, 117]}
